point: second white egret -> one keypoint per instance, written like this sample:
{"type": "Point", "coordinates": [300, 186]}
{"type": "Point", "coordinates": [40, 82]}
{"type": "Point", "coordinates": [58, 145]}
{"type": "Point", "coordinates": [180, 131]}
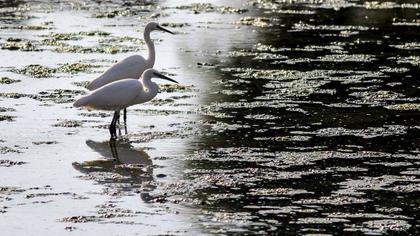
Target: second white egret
{"type": "Point", "coordinates": [121, 94]}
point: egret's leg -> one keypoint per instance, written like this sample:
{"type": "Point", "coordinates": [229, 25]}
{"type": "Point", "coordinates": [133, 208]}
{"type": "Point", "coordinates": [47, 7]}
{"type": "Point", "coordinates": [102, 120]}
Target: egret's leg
{"type": "Point", "coordinates": [125, 116]}
{"type": "Point", "coordinates": [112, 128]}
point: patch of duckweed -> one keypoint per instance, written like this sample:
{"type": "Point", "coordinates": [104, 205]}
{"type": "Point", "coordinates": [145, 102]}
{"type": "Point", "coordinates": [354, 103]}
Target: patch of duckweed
{"type": "Point", "coordinates": [74, 68]}
{"type": "Point", "coordinates": [346, 58]}
{"type": "Point", "coordinates": [357, 187]}
{"type": "Point", "coordinates": [7, 80]}
{"type": "Point", "coordinates": [335, 200]}
{"type": "Point", "coordinates": [261, 22]}
{"type": "Point", "coordinates": [276, 191]}
{"type": "Point", "coordinates": [9, 163]}
{"type": "Point", "coordinates": [380, 226]}
{"type": "Point", "coordinates": [413, 60]}
{"type": "Point", "coordinates": [405, 107]}
{"type": "Point", "coordinates": [407, 46]}
{"type": "Point", "coordinates": [319, 220]}
{"type": "Point", "coordinates": [80, 219]}
{"type": "Point", "coordinates": [103, 48]}
{"type": "Point", "coordinates": [58, 95]}
{"type": "Point", "coordinates": [18, 44]}
{"type": "Point", "coordinates": [405, 22]}
{"type": "Point", "coordinates": [122, 12]}
{"type": "Point", "coordinates": [390, 5]}
{"type": "Point", "coordinates": [178, 88]}
{"type": "Point", "coordinates": [369, 132]}
{"type": "Point", "coordinates": [6, 117]}
{"type": "Point", "coordinates": [16, 95]}
{"type": "Point", "coordinates": [198, 8]}
{"type": "Point", "coordinates": [69, 124]}
{"type": "Point", "coordinates": [25, 27]}
{"type": "Point", "coordinates": [83, 84]}
{"type": "Point", "coordinates": [37, 71]}
{"type": "Point", "coordinates": [174, 25]}
{"type": "Point", "coordinates": [377, 98]}
{"type": "Point", "coordinates": [300, 26]}
{"type": "Point", "coordinates": [44, 142]}
{"type": "Point", "coordinates": [64, 36]}
{"type": "Point", "coordinates": [121, 39]}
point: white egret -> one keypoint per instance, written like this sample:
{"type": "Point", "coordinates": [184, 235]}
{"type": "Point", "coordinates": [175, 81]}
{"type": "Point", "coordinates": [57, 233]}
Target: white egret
{"type": "Point", "coordinates": [121, 94]}
{"type": "Point", "coordinates": [132, 66]}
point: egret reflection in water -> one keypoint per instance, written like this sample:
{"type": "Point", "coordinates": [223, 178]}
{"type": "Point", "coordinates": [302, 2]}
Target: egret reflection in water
{"type": "Point", "coordinates": [121, 166]}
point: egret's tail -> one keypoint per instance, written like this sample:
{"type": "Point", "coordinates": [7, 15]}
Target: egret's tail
{"type": "Point", "coordinates": [93, 85]}
{"type": "Point", "coordinates": [80, 102]}
{"type": "Point", "coordinates": [97, 83]}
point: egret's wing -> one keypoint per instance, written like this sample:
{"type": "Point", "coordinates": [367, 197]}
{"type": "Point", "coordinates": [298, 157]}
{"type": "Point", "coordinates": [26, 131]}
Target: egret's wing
{"type": "Point", "coordinates": [114, 96]}
{"type": "Point", "coordinates": [130, 67]}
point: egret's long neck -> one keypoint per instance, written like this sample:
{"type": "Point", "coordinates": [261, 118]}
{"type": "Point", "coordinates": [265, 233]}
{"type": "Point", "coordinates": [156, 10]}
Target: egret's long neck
{"type": "Point", "coordinates": [150, 89]}
{"type": "Point", "coordinates": [151, 47]}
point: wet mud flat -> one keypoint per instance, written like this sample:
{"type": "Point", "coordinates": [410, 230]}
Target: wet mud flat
{"type": "Point", "coordinates": [292, 117]}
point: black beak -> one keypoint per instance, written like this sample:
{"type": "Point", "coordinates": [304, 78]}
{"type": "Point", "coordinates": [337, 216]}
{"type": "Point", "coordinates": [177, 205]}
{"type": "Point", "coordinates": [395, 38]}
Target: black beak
{"type": "Point", "coordinates": [163, 29]}
{"type": "Point", "coordinates": [159, 75]}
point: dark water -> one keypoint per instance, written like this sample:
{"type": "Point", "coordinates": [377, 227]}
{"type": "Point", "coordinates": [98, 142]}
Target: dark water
{"type": "Point", "coordinates": [316, 128]}
{"type": "Point", "coordinates": [302, 118]}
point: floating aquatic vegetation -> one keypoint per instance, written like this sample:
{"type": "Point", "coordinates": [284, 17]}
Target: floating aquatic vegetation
{"type": "Point", "coordinates": [6, 117]}
{"type": "Point", "coordinates": [346, 58]}
{"type": "Point", "coordinates": [381, 226]}
{"type": "Point", "coordinates": [58, 95]}
{"type": "Point", "coordinates": [44, 142]}
{"type": "Point", "coordinates": [83, 84]}
{"type": "Point", "coordinates": [37, 71]}
{"type": "Point", "coordinates": [377, 98]}
{"type": "Point", "coordinates": [276, 191]}
{"type": "Point", "coordinates": [175, 25]}
{"type": "Point", "coordinates": [171, 88]}
{"type": "Point", "coordinates": [369, 132]}
{"type": "Point", "coordinates": [404, 22]}
{"type": "Point", "coordinates": [335, 200]}
{"type": "Point", "coordinates": [74, 68]}
{"type": "Point", "coordinates": [16, 95]}
{"type": "Point", "coordinates": [319, 220]}
{"type": "Point", "coordinates": [407, 46]}
{"type": "Point", "coordinates": [261, 22]}
{"type": "Point", "coordinates": [357, 187]}
{"type": "Point", "coordinates": [198, 8]}
{"type": "Point", "coordinates": [25, 27]}
{"type": "Point", "coordinates": [405, 107]}
{"type": "Point", "coordinates": [80, 219]}
{"type": "Point", "coordinates": [9, 163]}
{"type": "Point", "coordinates": [390, 5]}
{"type": "Point", "coordinates": [18, 44]}
{"type": "Point", "coordinates": [69, 123]}
{"type": "Point", "coordinates": [103, 48]}
{"type": "Point", "coordinates": [413, 60]}
{"type": "Point", "coordinates": [7, 80]}
{"type": "Point", "coordinates": [6, 149]}
{"type": "Point", "coordinates": [122, 12]}
{"type": "Point", "coordinates": [300, 26]}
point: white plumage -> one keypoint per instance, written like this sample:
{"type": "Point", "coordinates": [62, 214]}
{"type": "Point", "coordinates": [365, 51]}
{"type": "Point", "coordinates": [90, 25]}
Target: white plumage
{"type": "Point", "coordinates": [132, 66]}
{"type": "Point", "coordinates": [121, 94]}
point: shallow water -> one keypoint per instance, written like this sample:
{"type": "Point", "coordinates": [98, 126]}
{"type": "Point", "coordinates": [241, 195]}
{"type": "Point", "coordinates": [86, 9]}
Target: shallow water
{"type": "Point", "coordinates": [294, 117]}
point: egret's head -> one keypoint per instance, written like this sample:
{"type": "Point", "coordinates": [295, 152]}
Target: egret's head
{"type": "Point", "coordinates": [155, 26]}
{"type": "Point", "coordinates": [152, 73]}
